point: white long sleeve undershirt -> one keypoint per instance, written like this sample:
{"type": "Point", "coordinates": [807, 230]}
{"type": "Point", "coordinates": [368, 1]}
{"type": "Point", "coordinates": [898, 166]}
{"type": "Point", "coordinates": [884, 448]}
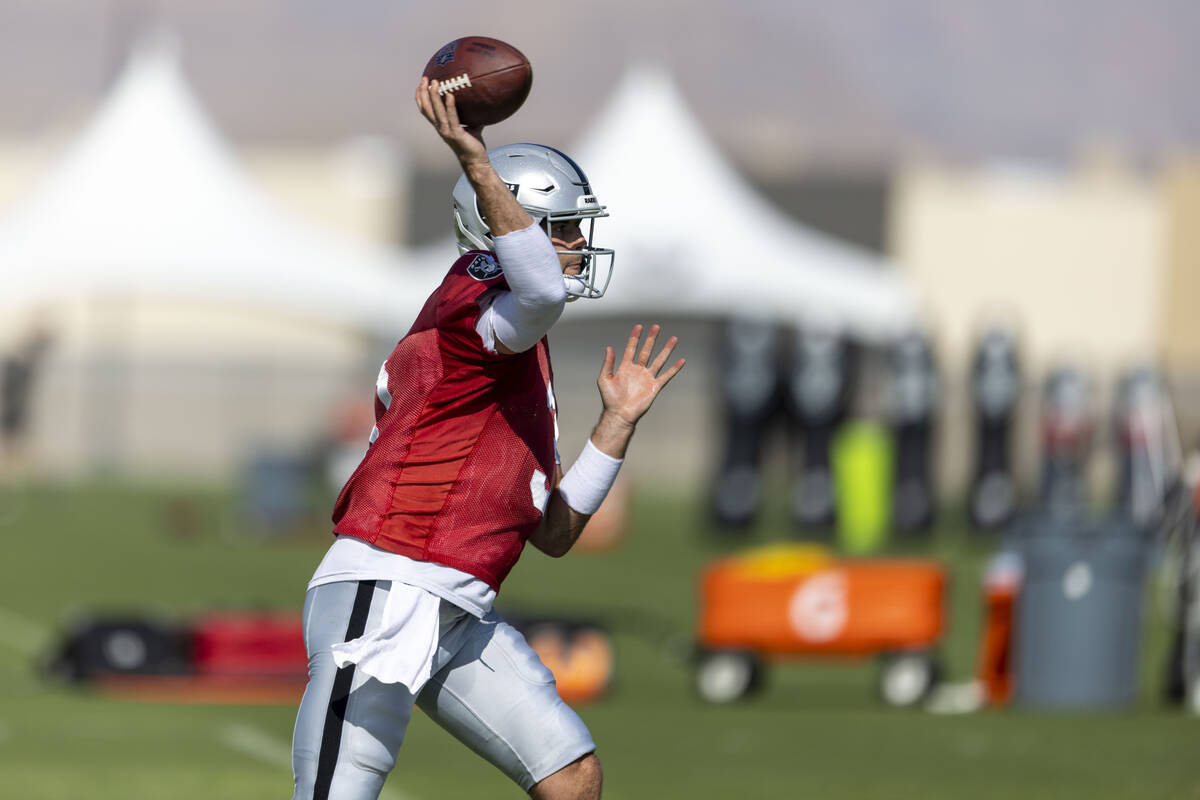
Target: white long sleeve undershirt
{"type": "Point", "coordinates": [521, 316]}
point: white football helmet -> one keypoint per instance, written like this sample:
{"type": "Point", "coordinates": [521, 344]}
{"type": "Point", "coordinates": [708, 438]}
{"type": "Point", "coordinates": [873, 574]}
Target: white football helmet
{"type": "Point", "coordinates": [552, 188]}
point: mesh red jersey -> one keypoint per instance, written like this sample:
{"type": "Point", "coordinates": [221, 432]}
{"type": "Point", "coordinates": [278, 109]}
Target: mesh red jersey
{"type": "Point", "coordinates": [463, 454]}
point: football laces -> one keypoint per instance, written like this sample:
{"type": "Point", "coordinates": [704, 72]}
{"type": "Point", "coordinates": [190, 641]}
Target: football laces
{"type": "Point", "coordinates": [454, 84]}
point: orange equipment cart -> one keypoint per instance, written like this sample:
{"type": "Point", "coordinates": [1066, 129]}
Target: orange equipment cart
{"type": "Point", "coordinates": [800, 600]}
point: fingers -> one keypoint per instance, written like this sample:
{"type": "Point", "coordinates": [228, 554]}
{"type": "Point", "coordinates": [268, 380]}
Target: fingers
{"type": "Point", "coordinates": [430, 103]}
{"type": "Point", "coordinates": [423, 99]}
{"type": "Point", "coordinates": [643, 356]}
{"type": "Point", "coordinates": [648, 347]}
{"type": "Point", "coordinates": [663, 355]}
{"type": "Point", "coordinates": [438, 104]}
{"type": "Point", "coordinates": [631, 346]}
{"type": "Point", "coordinates": [451, 112]}
{"type": "Point", "coordinates": [439, 109]}
{"type": "Point", "coordinates": [665, 378]}
{"type": "Point", "coordinates": [606, 370]}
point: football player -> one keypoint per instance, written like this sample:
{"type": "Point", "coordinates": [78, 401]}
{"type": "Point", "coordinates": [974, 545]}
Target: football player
{"type": "Point", "coordinates": [461, 470]}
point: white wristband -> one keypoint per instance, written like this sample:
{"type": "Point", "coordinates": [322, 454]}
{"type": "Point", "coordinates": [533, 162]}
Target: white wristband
{"type": "Point", "coordinates": [587, 482]}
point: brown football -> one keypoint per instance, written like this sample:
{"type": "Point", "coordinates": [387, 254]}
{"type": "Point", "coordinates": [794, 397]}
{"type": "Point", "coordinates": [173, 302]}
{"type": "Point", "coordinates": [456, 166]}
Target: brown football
{"type": "Point", "coordinates": [490, 79]}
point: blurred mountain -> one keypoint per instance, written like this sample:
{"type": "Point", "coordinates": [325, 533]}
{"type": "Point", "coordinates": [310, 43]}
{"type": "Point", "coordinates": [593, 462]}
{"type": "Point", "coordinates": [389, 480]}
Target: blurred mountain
{"type": "Point", "coordinates": [781, 84]}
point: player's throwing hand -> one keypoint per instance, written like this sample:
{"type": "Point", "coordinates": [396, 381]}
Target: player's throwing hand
{"type": "Point", "coordinates": [466, 142]}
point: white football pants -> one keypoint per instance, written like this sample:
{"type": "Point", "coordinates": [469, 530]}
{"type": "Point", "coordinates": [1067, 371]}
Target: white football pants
{"type": "Point", "coordinates": [488, 688]}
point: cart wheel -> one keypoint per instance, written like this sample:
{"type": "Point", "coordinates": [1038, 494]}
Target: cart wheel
{"type": "Point", "coordinates": [723, 676]}
{"type": "Point", "coordinates": [906, 679]}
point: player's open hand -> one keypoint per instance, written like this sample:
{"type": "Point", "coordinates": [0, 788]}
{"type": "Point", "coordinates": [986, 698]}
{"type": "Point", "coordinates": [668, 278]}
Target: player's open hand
{"type": "Point", "coordinates": [628, 390]}
{"type": "Point", "coordinates": [438, 109]}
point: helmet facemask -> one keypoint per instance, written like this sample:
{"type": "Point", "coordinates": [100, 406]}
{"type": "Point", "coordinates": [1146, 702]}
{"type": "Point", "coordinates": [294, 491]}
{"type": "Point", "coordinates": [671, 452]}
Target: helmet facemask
{"type": "Point", "coordinates": [595, 271]}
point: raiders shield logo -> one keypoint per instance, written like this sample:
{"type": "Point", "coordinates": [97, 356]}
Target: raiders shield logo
{"type": "Point", "coordinates": [484, 268]}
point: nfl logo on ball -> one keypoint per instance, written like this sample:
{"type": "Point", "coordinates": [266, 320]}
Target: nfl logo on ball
{"type": "Point", "coordinates": [446, 54]}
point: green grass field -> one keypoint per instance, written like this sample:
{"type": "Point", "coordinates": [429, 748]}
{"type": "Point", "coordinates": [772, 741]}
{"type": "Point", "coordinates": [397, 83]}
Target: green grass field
{"type": "Point", "coordinates": [816, 731]}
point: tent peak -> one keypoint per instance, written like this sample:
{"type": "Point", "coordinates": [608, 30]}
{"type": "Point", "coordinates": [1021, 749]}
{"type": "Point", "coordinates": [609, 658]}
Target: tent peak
{"type": "Point", "coordinates": [156, 47]}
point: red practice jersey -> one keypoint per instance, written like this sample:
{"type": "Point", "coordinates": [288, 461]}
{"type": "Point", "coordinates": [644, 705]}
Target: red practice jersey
{"type": "Point", "coordinates": [461, 461]}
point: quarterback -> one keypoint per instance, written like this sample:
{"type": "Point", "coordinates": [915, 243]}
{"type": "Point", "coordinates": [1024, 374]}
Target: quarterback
{"type": "Point", "coordinates": [461, 471]}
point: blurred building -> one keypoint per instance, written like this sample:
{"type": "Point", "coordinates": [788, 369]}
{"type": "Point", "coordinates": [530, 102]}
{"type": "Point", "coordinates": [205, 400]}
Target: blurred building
{"type": "Point", "coordinates": [1076, 257]}
{"type": "Point", "coordinates": [1181, 345]}
{"type": "Point", "coordinates": [1092, 266]}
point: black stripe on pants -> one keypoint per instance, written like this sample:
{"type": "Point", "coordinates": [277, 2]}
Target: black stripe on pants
{"type": "Point", "coordinates": [331, 739]}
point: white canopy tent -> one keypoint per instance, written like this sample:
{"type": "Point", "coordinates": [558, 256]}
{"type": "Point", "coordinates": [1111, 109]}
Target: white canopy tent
{"type": "Point", "coordinates": [692, 238]}
{"type": "Point", "coordinates": [690, 234]}
{"type": "Point", "coordinates": [149, 202]}
{"type": "Point", "coordinates": [175, 290]}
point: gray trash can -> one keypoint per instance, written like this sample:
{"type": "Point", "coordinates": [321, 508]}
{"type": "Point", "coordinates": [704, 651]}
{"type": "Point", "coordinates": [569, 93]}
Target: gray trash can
{"type": "Point", "coordinates": [1079, 613]}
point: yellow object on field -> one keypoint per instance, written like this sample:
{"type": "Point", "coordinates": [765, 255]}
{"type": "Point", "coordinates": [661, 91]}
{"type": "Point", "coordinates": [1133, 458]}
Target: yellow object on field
{"type": "Point", "coordinates": [782, 561]}
{"type": "Point", "coordinates": [862, 473]}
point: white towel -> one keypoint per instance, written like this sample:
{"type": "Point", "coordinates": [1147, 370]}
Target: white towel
{"type": "Point", "coordinates": [402, 648]}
